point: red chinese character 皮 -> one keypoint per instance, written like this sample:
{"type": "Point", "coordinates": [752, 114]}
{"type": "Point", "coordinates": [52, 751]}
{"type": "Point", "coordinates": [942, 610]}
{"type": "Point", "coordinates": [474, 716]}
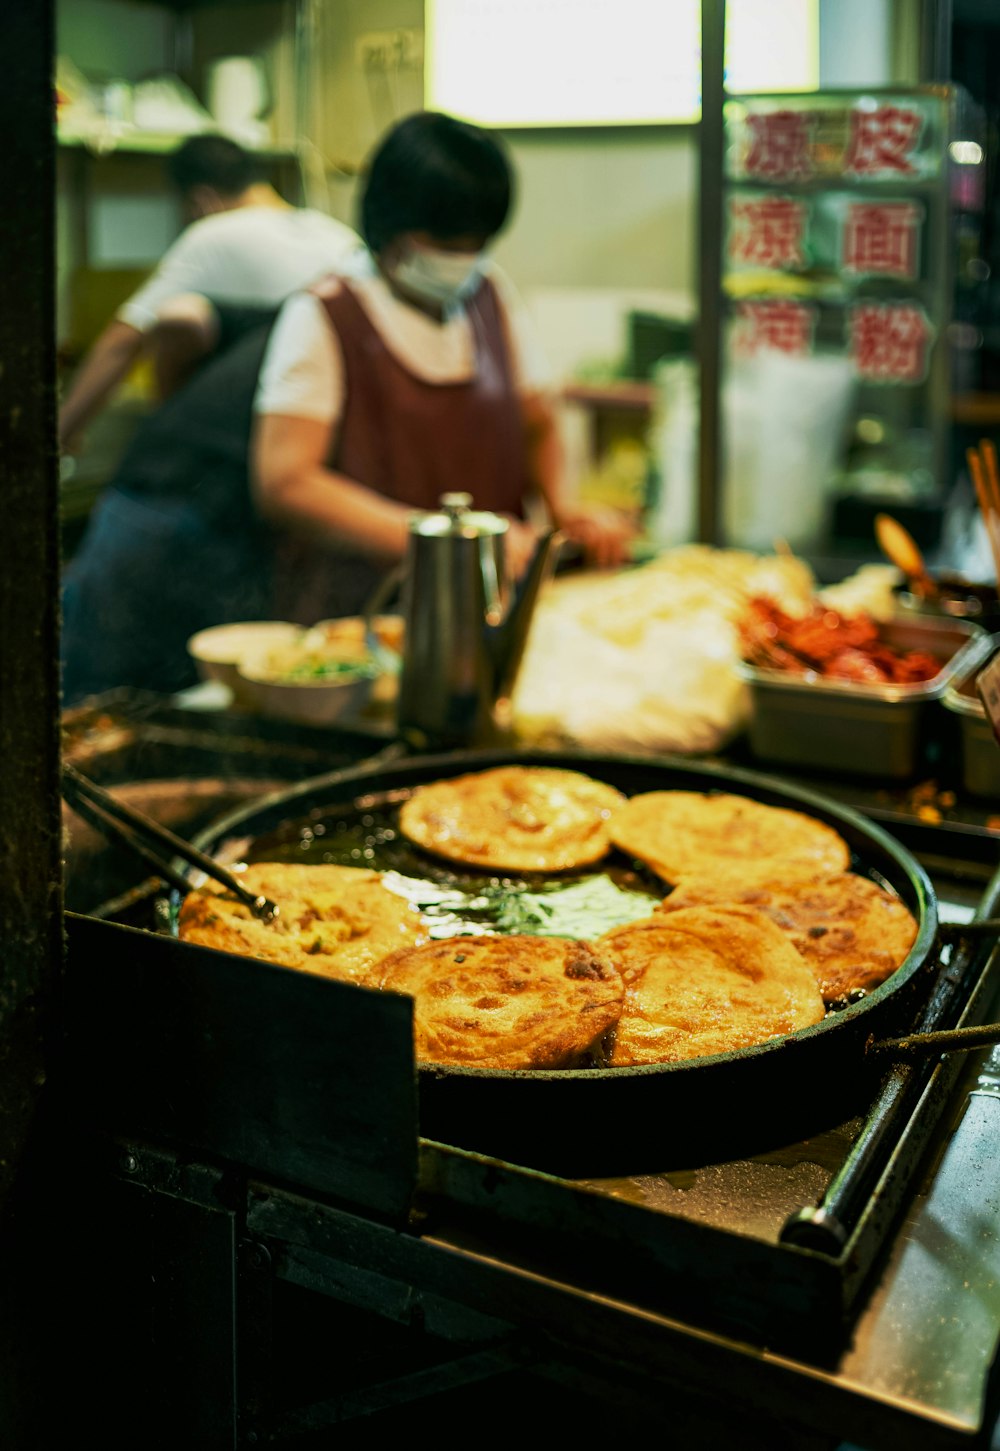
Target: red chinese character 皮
{"type": "Point", "coordinates": [882, 141]}
{"type": "Point", "coordinates": [780, 144]}
{"type": "Point", "coordinates": [767, 231]}
{"type": "Point", "coordinates": [889, 341]}
{"type": "Point", "coordinates": [881, 238]}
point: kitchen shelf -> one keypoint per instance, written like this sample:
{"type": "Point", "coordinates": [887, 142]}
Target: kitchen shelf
{"type": "Point", "coordinates": [976, 408]}
{"type": "Point", "coordinates": [108, 142]}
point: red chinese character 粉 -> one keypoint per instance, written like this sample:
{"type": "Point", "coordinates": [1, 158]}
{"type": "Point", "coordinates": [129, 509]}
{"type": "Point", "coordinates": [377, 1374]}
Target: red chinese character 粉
{"type": "Point", "coordinates": [889, 341]}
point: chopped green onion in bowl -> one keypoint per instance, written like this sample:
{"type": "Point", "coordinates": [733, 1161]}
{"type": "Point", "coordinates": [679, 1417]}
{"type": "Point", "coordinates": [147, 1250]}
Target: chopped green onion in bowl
{"type": "Point", "coordinates": [330, 671]}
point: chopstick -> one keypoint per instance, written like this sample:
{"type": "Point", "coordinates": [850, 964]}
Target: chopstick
{"type": "Point", "coordinates": [109, 815]}
{"type": "Point", "coordinates": [943, 1040]}
{"type": "Point", "coordinates": [986, 481]}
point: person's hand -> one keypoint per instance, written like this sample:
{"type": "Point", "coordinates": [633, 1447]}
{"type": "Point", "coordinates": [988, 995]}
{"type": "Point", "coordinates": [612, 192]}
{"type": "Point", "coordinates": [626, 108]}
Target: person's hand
{"type": "Point", "coordinates": [604, 534]}
{"type": "Point", "coordinates": [521, 541]}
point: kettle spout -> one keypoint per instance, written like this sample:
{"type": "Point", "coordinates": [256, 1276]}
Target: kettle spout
{"type": "Point", "coordinates": [507, 640]}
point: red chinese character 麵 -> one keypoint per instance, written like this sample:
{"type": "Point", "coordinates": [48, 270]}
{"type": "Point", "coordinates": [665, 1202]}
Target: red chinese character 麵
{"type": "Point", "coordinates": [889, 341]}
{"type": "Point", "coordinates": [780, 144]}
{"type": "Point", "coordinates": [883, 141]}
{"type": "Point", "coordinates": [767, 232]}
{"type": "Point", "coordinates": [881, 238]}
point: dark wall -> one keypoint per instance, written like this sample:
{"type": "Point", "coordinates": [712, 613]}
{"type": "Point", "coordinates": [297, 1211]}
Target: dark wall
{"type": "Point", "coordinates": [975, 64]}
{"type": "Point", "coordinates": [30, 919]}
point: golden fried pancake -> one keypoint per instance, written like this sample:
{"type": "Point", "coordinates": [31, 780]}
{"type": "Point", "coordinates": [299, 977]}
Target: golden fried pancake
{"type": "Point", "coordinates": [852, 932]}
{"type": "Point", "coordinates": [337, 921]}
{"type": "Point", "coordinates": [707, 980]}
{"type": "Point", "coordinates": [514, 818]}
{"type": "Point", "coordinates": [717, 836]}
{"type": "Point", "coordinates": [507, 1002]}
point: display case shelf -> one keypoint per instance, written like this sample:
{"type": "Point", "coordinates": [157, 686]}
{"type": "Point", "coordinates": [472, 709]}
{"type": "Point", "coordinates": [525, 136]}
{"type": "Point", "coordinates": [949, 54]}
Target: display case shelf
{"type": "Point", "coordinates": [107, 141]}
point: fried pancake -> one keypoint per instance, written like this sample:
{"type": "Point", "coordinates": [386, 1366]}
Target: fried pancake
{"type": "Point", "coordinates": [706, 980]}
{"type": "Point", "coordinates": [716, 836]}
{"type": "Point", "coordinates": [337, 921]}
{"type": "Point", "coordinates": [852, 932]}
{"type": "Point", "coordinates": [514, 818]}
{"type": "Point", "coordinates": [507, 1002]}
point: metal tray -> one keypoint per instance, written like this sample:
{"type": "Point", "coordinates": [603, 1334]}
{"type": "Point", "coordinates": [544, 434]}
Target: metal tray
{"type": "Point", "coordinates": [864, 730]}
{"type": "Point", "coordinates": [978, 747]}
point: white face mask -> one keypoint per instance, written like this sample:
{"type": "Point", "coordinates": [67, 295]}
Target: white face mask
{"type": "Point", "coordinates": [439, 277]}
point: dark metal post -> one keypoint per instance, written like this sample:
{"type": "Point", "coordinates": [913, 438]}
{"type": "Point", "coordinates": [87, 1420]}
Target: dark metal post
{"type": "Point", "coordinates": [935, 41]}
{"type": "Point", "coordinates": [709, 330]}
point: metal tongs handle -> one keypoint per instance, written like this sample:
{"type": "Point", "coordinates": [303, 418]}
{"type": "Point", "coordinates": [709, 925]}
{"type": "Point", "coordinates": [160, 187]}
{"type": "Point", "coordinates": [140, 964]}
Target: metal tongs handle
{"type": "Point", "coordinates": [111, 816]}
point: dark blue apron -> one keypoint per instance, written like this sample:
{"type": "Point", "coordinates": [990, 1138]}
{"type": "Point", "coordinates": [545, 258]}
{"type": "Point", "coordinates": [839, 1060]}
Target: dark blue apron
{"type": "Point", "coordinates": [173, 544]}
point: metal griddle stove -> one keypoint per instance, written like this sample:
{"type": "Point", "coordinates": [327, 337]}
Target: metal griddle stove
{"type": "Point", "coordinates": [287, 1254]}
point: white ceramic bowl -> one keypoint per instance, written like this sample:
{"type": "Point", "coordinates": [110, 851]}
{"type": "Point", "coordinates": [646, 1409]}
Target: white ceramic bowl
{"type": "Point", "coordinates": [278, 681]}
{"type": "Point", "coordinates": [218, 650]}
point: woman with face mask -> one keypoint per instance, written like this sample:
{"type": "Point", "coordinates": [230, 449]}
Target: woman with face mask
{"type": "Point", "coordinates": [410, 373]}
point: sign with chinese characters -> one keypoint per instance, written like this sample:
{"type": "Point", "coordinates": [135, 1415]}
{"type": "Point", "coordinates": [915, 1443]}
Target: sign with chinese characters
{"type": "Point", "coordinates": [828, 228]}
{"type": "Point", "coordinates": [826, 232]}
{"type": "Point", "coordinates": [826, 136]}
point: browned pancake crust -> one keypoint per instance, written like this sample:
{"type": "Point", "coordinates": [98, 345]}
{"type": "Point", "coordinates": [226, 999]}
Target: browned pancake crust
{"type": "Point", "coordinates": [707, 980]}
{"type": "Point", "coordinates": [717, 836]}
{"type": "Point", "coordinates": [337, 921]}
{"type": "Point", "coordinates": [507, 1002]}
{"type": "Point", "coordinates": [514, 818]}
{"type": "Point", "coordinates": [852, 932]}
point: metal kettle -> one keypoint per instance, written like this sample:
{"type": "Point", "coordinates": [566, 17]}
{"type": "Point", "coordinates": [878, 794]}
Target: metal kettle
{"type": "Point", "coordinates": [465, 628]}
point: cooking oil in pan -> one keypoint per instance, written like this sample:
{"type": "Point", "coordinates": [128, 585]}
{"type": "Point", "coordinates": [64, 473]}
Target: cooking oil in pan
{"type": "Point", "coordinates": [580, 904]}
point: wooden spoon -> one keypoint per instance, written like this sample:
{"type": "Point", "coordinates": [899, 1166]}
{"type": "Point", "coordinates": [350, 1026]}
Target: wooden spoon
{"type": "Point", "coordinates": [899, 546]}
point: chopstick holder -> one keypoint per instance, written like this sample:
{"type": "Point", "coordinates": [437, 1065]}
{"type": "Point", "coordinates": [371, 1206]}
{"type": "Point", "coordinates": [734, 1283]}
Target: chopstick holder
{"type": "Point", "coordinates": [986, 482]}
{"type": "Point", "coordinates": [988, 453]}
{"type": "Point", "coordinates": [135, 830]}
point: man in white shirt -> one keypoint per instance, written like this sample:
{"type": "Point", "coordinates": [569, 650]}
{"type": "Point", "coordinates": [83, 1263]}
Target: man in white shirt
{"type": "Point", "coordinates": [245, 245]}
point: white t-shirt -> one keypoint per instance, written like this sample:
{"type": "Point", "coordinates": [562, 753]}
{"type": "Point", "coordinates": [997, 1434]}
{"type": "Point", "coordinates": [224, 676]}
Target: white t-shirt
{"type": "Point", "coordinates": [256, 255]}
{"type": "Point", "coordinates": [302, 375]}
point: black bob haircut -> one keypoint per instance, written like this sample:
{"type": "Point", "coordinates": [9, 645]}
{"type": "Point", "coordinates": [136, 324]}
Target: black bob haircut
{"type": "Point", "coordinates": [435, 174]}
{"type": "Point", "coordinates": [212, 160]}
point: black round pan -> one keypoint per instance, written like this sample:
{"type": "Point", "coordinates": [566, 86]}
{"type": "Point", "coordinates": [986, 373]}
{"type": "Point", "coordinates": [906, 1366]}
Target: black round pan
{"type": "Point", "coordinates": [603, 1119]}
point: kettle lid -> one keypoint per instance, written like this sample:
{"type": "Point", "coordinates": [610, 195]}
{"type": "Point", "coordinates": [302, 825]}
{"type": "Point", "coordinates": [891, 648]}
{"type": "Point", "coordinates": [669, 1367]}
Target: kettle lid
{"type": "Point", "coordinates": [457, 517]}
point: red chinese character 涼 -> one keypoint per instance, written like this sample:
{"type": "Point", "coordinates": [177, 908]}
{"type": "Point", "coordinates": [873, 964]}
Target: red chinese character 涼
{"type": "Point", "coordinates": [780, 144]}
{"type": "Point", "coordinates": [882, 141]}
{"type": "Point", "coordinates": [767, 232]}
{"type": "Point", "coordinates": [777, 323]}
{"type": "Point", "coordinates": [882, 237]}
{"type": "Point", "coordinates": [889, 341]}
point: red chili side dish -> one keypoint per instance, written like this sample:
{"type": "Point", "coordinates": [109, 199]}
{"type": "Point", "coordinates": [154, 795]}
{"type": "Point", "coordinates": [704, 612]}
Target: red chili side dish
{"type": "Point", "coordinates": [824, 642]}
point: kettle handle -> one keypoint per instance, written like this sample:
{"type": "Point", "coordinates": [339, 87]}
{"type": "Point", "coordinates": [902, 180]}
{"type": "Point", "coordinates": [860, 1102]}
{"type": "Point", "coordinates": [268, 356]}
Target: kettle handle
{"type": "Point", "coordinates": [511, 638]}
{"type": "Point", "coordinates": [375, 604]}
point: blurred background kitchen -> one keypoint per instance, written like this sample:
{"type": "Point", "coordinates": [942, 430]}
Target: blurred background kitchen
{"type": "Point", "coordinates": [869, 296]}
